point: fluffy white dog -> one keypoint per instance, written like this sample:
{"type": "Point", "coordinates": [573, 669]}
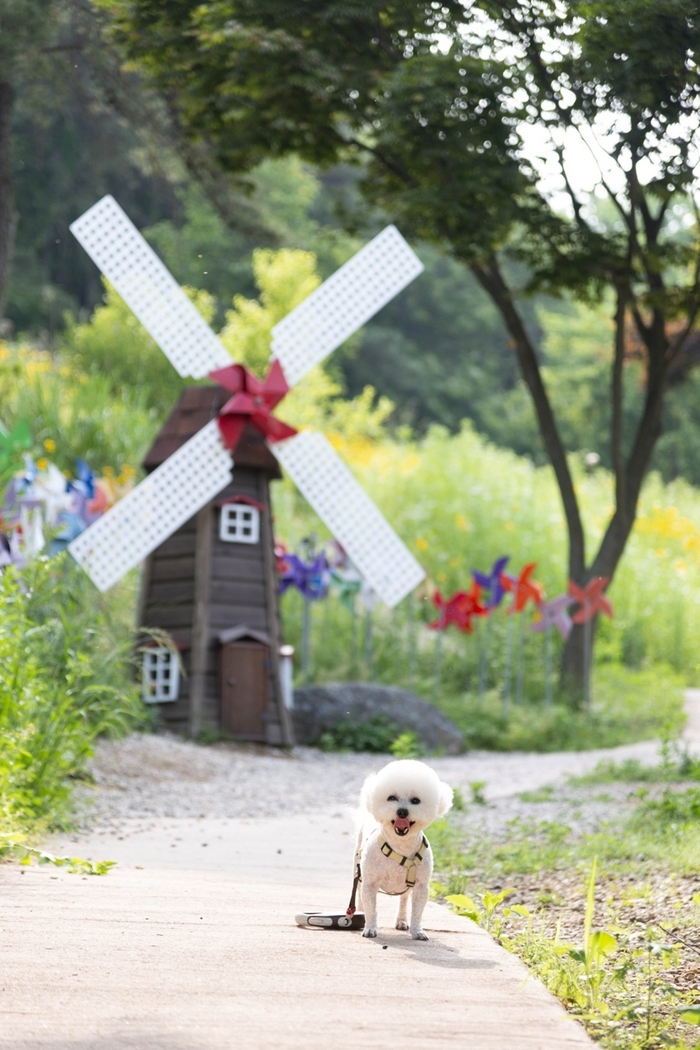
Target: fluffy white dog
{"type": "Point", "coordinates": [397, 804]}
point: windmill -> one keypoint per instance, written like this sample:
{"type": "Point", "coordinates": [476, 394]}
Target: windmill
{"type": "Point", "coordinates": [182, 488]}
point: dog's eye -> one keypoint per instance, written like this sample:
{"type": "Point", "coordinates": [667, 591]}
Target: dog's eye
{"type": "Point", "coordinates": [415, 802]}
{"type": "Point", "coordinates": [392, 798]}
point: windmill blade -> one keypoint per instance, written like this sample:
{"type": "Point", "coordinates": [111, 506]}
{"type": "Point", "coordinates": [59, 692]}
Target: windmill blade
{"type": "Point", "coordinates": [151, 512]}
{"type": "Point", "coordinates": [343, 303]}
{"type": "Point", "coordinates": [112, 241]}
{"type": "Point", "coordinates": [345, 508]}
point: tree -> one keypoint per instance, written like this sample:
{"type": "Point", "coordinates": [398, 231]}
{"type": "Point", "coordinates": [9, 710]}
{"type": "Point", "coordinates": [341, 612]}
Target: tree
{"type": "Point", "coordinates": [465, 117]}
{"type": "Point", "coordinates": [25, 25]}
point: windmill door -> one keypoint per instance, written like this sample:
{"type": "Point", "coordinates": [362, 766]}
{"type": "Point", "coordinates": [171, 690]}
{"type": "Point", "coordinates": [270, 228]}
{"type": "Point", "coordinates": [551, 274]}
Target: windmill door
{"type": "Point", "coordinates": [244, 689]}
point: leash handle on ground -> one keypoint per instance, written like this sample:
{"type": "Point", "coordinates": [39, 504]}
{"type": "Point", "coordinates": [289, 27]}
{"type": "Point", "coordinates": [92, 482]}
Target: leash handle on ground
{"type": "Point", "coordinates": [351, 909]}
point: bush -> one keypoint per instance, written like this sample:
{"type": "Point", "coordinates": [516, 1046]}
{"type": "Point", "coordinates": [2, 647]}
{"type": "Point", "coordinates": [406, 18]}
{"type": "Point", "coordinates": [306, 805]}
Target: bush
{"type": "Point", "coordinates": [64, 680]}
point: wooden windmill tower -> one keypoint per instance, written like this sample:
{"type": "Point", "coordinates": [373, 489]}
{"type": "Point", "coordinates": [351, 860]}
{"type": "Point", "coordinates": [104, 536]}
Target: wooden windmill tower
{"type": "Point", "coordinates": [204, 532]}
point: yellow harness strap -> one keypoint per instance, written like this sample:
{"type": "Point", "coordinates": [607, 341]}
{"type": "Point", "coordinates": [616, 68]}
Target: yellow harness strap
{"type": "Point", "coordinates": [409, 863]}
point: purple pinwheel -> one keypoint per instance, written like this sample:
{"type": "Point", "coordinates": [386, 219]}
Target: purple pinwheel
{"type": "Point", "coordinates": [492, 583]}
{"type": "Point", "coordinates": [310, 579]}
{"type": "Point", "coordinates": [554, 614]}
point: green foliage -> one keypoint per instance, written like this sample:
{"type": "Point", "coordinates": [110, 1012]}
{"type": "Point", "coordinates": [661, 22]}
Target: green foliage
{"type": "Point", "coordinates": [64, 680]}
{"type": "Point", "coordinates": [375, 735]}
{"type": "Point", "coordinates": [113, 345]}
{"type": "Point", "coordinates": [407, 745]}
{"type": "Point", "coordinates": [485, 911]}
{"type": "Point", "coordinates": [16, 845]}
{"type": "Point", "coordinates": [81, 414]}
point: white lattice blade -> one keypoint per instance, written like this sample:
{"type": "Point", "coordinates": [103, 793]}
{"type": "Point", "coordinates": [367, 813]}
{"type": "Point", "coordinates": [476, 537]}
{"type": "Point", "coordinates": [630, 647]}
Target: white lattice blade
{"type": "Point", "coordinates": [151, 512]}
{"type": "Point", "coordinates": [112, 241]}
{"type": "Point", "coordinates": [354, 520]}
{"type": "Point", "coordinates": [343, 303]}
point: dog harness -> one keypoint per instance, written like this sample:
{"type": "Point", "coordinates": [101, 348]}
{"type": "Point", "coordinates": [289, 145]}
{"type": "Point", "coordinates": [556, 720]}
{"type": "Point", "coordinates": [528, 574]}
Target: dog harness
{"type": "Point", "coordinates": [409, 863]}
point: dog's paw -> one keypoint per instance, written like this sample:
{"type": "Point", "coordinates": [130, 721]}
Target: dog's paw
{"type": "Point", "coordinates": [401, 925]}
{"type": "Point", "coordinates": [370, 931]}
{"type": "Point", "coordinates": [419, 935]}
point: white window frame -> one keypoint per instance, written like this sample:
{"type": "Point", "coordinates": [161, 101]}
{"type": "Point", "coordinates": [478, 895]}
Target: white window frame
{"type": "Point", "coordinates": [239, 523]}
{"type": "Point", "coordinates": [161, 675]}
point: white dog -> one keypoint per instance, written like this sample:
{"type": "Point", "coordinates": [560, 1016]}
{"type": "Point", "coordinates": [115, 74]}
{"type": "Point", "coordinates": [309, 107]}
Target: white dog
{"type": "Point", "coordinates": [394, 857]}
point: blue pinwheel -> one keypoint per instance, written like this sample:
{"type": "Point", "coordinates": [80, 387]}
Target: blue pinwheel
{"type": "Point", "coordinates": [492, 582]}
{"type": "Point", "coordinates": [493, 585]}
{"type": "Point", "coordinates": [309, 578]}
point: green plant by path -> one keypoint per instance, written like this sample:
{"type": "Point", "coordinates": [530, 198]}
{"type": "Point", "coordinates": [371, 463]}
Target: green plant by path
{"type": "Point", "coordinates": [607, 918]}
{"type": "Point", "coordinates": [65, 660]}
{"type": "Point", "coordinates": [17, 845]}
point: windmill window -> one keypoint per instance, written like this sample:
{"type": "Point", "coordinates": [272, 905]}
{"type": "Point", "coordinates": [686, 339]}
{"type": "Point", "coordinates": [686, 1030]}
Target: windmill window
{"type": "Point", "coordinates": [161, 676]}
{"type": "Point", "coordinates": [239, 523]}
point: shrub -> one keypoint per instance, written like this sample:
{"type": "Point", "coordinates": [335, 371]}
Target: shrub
{"type": "Point", "coordinates": [64, 680]}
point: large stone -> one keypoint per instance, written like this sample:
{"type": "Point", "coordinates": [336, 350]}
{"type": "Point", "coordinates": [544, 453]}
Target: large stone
{"type": "Point", "coordinates": [318, 708]}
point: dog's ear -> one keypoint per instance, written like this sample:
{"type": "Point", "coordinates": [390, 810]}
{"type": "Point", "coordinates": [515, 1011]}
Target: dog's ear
{"type": "Point", "coordinates": [445, 799]}
{"type": "Point", "coordinates": [367, 793]}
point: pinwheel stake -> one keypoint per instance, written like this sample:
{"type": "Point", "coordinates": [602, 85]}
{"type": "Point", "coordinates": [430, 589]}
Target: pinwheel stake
{"type": "Point", "coordinates": [411, 639]}
{"type": "Point", "coordinates": [552, 614]}
{"type": "Point", "coordinates": [457, 610]}
{"type": "Point", "coordinates": [591, 600]}
{"type": "Point", "coordinates": [170, 515]}
{"type": "Point", "coordinates": [368, 598]}
{"type": "Point", "coordinates": [309, 578]}
{"type": "Point", "coordinates": [347, 582]}
{"type": "Point", "coordinates": [492, 584]}
{"type": "Point", "coordinates": [523, 590]}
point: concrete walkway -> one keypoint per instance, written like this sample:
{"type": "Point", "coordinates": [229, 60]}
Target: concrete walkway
{"type": "Point", "coordinates": [190, 944]}
{"type": "Point", "coordinates": [187, 946]}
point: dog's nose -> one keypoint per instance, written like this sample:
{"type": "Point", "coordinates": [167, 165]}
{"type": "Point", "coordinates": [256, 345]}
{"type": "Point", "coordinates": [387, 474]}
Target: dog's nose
{"type": "Point", "coordinates": [402, 813]}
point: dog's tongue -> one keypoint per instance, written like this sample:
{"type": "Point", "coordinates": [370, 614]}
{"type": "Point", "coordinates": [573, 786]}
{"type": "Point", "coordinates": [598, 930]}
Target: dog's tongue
{"type": "Point", "coordinates": [401, 824]}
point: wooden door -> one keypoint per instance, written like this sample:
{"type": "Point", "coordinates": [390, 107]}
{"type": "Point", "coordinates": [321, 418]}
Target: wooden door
{"type": "Point", "coordinates": [244, 689]}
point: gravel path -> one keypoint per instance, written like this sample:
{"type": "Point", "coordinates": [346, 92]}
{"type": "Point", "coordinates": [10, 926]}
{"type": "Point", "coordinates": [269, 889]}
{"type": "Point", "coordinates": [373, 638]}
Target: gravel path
{"type": "Point", "coordinates": [162, 776]}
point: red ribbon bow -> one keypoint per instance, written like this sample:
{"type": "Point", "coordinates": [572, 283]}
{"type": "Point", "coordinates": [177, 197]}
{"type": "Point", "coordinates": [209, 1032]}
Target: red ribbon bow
{"type": "Point", "coordinates": [252, 402]}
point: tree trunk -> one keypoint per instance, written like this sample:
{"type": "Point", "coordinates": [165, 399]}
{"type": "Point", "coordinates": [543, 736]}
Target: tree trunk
{"type": "Point", "coordinates": [8, 217]}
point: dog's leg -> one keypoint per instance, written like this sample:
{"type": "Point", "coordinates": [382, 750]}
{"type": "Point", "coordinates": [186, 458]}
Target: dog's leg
{"type": "Point", "coordinates": [420, 894]}
{"type": "Point", "coordinates": [401, 923]}
{"type": "Point", "coordinates": [369, 906]}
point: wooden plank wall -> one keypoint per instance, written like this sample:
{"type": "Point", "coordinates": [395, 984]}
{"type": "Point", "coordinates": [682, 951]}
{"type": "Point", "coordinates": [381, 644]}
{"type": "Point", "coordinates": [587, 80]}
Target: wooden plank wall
{"type": "Point", "coordinates": [169, 605]}
{"type": "Point", "coordinates": [238, 594]}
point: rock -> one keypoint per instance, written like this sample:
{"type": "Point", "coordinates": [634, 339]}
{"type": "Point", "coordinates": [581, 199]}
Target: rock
{"type": "Point", "coordinates": [318, 708]}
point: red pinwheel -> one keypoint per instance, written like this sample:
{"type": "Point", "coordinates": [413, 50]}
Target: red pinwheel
{"type": "Point", "coordinates": [252, 402]}
{"type": "Point", "coordinates": [523, 588]}
{"type": "Point", "coordinates": [590, 599]}
{"type": "Point", "coordinates": [459, 610]}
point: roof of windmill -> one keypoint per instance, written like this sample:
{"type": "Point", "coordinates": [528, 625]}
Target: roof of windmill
{"type": "Point", "coordinates": [196, 407]}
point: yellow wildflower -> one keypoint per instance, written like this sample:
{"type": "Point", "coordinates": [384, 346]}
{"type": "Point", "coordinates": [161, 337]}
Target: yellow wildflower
{"type": "Point", "coordinates": [50, 445]}
{"type": "Point", "coordinates": [42, 463]}
{"type": "Point", "coordinates": [421, 544]}
{"type": "Point", "coordinates": [461, 522]}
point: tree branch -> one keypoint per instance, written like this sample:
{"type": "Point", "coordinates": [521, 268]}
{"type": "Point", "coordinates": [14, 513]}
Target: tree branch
{"type": "Point", "coordinates": [617, 453]}
{"type": "Point", "coordinates": [490, 278]}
